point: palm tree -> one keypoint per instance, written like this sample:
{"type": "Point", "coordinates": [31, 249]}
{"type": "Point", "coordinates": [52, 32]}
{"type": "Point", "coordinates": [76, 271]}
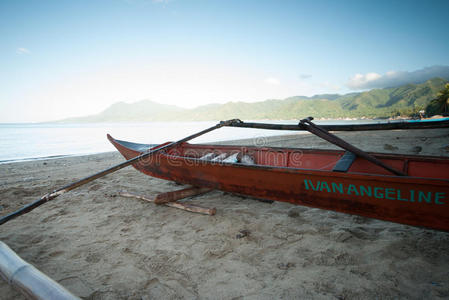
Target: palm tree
{"type": "Point", "coordinates": [439, 105]}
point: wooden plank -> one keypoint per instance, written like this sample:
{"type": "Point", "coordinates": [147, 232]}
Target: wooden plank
{"type": "Point", "coordinates": [183, 206]}
{"type": "Point", "coordinates": [180, 194]}
{"type": "Point", "coordinates": [345, 162]}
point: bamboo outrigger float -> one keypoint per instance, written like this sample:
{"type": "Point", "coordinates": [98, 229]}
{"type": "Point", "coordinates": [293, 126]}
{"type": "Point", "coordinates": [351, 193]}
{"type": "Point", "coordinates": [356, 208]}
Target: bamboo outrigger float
{"type": "Point", "coordinates": [28, 280]}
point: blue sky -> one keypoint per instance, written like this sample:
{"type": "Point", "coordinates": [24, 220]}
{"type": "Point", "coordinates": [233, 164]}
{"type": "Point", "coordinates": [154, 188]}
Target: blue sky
{"type": "Point", "coordinates": [70, 58]}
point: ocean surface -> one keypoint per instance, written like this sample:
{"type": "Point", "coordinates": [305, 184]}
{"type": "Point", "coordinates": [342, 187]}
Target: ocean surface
{"type": "Point", "coordinates": [36, 141]}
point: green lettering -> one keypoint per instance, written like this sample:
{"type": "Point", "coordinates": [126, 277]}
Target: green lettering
{"type": "Point", "coordinates": [324, 185]}
{"type": "Point", "coordinates": [399, 196]}
{"type": "Point", "coordinates": [313, 187]}
{"type": "Point", "coordinates": [365, 191]}
{"type": "Point", "coordinates": [412, 196]}
{"type": "Point", "coordinates": [352, 189]}
{"type": "Point", "coordinates": [306, 184]}
{"type": "Point", "coordinates": [338, 187]}
{"type": "Point", "coordinates": [439, 196]}
{"type": "Point", "coordinates": [378, 194]}
{"type": "Point", "coordinates": [426, 197]}
{"type": "Point", "coordinates": [389, 194]}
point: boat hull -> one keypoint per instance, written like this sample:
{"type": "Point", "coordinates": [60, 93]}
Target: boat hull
{"type": "Point", "coordinates": [407, 200]}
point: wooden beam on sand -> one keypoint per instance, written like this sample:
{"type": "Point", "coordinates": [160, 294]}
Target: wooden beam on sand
{"type": "Point", "coordinates": [180, 194]}
{"type": "Point", "coordinates": [183, 206]}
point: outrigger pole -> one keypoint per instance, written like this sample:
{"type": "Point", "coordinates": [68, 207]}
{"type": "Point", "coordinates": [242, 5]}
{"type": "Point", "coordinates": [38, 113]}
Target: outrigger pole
{"type": "Point", "coordinates": [426, 124]}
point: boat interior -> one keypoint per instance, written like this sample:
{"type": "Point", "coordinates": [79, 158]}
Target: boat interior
{"type": "Point", "coordinates": [313, 159]}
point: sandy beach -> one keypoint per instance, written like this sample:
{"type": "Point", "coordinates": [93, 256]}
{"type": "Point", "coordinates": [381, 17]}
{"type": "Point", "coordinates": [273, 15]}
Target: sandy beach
{"type": "Point", "coordinates": [100, 245]}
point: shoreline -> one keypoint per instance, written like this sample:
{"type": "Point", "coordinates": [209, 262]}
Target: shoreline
{"type": "Point", "coordinates": [11, 161]}
{"type": "Point", "coordinates": [51, 157]}
{"type": "Point", "coordinates": [102, 246]}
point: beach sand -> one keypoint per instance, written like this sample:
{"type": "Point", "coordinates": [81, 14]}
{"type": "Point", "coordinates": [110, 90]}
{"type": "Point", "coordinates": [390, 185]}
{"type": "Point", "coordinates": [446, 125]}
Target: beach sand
{"type": "Point", "coordinates": [103, 246]}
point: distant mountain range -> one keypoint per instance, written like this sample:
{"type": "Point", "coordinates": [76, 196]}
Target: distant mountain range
{"type": "Point", "coordinates": [376, 103]}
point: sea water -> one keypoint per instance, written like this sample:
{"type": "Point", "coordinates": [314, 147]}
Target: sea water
{"type": "Point", "coordinates": [35, 141]}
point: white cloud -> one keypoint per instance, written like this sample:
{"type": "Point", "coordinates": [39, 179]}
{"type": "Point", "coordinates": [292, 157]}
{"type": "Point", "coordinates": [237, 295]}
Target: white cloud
{"type": "Point", "coordinates": [272, 81]}
{"type": "Point", "coordinates": [22, 51]}
{"type": "Point", "coordinates": [396, 78]}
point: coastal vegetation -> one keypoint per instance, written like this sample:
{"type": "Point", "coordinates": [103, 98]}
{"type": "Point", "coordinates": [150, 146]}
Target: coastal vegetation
{"type": "Point", "coordinates": [406, 101]}
{"type": "Point", "coordinates": [439, 105]}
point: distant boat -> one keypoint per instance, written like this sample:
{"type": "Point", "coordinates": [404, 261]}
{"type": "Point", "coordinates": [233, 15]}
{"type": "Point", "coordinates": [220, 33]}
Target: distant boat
{"type": "Point", "coordinates": [430, 120]}
{"type": "Point", "coordinates": [328, 179]}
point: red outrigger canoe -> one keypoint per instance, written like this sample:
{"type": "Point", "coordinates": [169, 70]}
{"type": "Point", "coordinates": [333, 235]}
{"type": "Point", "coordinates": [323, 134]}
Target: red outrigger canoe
{"type": "Point", "coordinates": [328, 179]}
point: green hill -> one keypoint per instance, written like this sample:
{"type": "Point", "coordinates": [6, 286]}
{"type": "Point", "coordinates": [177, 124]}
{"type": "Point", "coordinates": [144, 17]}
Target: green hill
{"type": "Point", "coordinates": [143, 110]}
{"type": "Point", "coordinates": [376, 103]}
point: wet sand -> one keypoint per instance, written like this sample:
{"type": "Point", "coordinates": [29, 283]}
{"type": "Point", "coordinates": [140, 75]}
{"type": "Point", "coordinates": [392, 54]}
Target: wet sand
{"type": "Point", "coordinates": [103, 246]}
